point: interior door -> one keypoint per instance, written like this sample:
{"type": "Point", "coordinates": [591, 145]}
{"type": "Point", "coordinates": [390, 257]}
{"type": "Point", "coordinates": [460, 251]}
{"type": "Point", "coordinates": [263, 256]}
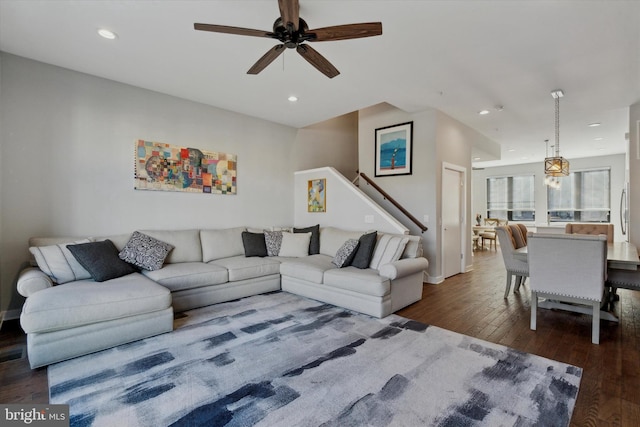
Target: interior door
{"type": "Point", "coordinates": [452, 188]}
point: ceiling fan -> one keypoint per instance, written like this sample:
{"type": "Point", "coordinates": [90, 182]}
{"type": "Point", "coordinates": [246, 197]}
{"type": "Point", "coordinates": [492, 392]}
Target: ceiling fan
{"type": "Point", "coordinates": [292, 31]}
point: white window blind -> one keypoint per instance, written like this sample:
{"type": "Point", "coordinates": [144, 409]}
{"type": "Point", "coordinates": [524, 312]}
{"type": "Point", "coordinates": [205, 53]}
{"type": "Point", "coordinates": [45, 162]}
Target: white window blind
{"type": "Point", "coordinates": [511, 198]}
{"type": "Point", "coordinates": [583, 196]}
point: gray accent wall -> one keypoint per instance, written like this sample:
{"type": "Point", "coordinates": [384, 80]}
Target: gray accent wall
{"type": "Point", "coordinates": [67, 162]}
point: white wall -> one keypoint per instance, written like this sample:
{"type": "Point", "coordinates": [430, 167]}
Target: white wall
{"type": "Point", "coordinates": [333, 143]}
{"type": "Point", "coordinates": [67, 156]}
{"type": "Point", "coordinates": [616, 163]}
{"type": "Point", "coordinates": [437, 139]}
{"type": "Point", "coordinates": [347, 206]}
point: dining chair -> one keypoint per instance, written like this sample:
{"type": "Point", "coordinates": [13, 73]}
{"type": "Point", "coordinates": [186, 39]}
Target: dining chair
{"type": "Point", "coordinates": [569, 268]}
{"type": "Point", "coordinates": [510, 238]}
{"type": "Point", "coordinates": [590, 228]}
{"type": "Point", "coordinates": [490, 235]}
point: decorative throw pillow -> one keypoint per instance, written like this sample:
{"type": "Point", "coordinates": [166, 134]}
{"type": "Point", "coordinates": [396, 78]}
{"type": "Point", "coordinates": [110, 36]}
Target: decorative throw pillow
{"type": "Point", "coordinates": [362, 257]}
{"type": "Point", "coordinates": [295, 244]}
{"type": "Point", "coordinates": [345, 254]}
{"type": "Point", "coordinates": [57, 262]}
{"type": "Point", "coordinates": [145, 251]}
{"type": "Point", "coordinates": [254, 244]}
{"type": "Point", "coordinates": [314, 244]}
{"type": "Point", "coordinates": [273, 240]}
{"type": "Point", "coordinates": [388, 249]}
{"type": "Point", "coordinates": [101, 260]}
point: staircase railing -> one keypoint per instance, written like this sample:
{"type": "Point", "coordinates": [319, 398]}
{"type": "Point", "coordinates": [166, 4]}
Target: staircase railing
{"type": "Point", "coordinates": [386, 196]}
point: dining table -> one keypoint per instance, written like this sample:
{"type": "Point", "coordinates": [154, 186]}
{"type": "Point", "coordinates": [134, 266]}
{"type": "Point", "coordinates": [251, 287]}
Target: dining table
{"type": "Point", "coordinates": [620, 255]}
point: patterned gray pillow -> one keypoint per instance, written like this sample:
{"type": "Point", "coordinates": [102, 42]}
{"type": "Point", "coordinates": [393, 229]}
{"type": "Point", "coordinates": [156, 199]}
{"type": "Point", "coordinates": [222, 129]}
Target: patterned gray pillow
{"type": "Point", "coordinates": [345, 254]}
{"type": "Point", "coordinates": [145, 251]}
{"type": "Point", "coordinates": [273, 241]}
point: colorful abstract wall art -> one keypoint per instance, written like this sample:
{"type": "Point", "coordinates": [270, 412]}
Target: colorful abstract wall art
{"type": "Point", "coordinates": [164, 167]}
{"type": "Point", "coordinates": [317, 195]}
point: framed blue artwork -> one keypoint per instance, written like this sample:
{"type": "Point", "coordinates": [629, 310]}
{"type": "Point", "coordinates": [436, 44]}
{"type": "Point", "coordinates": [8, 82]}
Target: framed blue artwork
{"type": "Point", "coordinates": [394, 150]}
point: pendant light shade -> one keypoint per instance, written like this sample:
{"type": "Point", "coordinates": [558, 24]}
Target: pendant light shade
{"type": "Point", "coordinates": [557, 165]}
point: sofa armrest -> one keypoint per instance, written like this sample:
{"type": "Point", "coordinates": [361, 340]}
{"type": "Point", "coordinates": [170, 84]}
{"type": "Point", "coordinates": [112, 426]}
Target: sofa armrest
{"type": "Point", "coordinates": [403, 267]}
{"type": "Point", "coordinates": [32, 280]}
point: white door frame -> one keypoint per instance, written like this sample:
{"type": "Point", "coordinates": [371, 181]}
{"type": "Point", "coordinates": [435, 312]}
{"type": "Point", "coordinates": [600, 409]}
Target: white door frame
{"type": "Point", "coordinates": [463, 213]}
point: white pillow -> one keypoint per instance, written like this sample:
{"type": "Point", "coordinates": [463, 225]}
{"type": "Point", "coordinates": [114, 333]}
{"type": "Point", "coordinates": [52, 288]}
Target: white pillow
{"type": "Point", "coordinates": [388, 249]}
{"type": "Point", "coordinates": [295, 244]}
{"type": "Point", "coordinates": [57, 262]}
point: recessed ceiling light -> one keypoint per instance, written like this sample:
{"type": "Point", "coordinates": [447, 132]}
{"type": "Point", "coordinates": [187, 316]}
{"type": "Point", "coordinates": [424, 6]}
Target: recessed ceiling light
{"type": "Point", "coordinates": [511, 150]}
{"type": "Point", "coordinates": [476, 158]}
{"type": "Point", "coordinates": [483, 112]}
{"type": "Point", "coordinates": [292, 98]}
{"type": "Point", "coordinates": [598, 138]}
{"type": "Point", "coordinates": [107, 34]}
{"type": "Point", "coordinates": [592, 125]}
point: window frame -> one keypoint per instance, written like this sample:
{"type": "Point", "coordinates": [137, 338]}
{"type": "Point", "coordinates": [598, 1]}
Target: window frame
{"type": "Point", "coordinates": [510, 211]}
{"type": "Point", "coordinates": [575, 214]}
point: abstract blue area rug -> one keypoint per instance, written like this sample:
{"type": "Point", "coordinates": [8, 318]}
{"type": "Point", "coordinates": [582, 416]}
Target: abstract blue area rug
{"type": "Point", "coordinates": [282, 360]}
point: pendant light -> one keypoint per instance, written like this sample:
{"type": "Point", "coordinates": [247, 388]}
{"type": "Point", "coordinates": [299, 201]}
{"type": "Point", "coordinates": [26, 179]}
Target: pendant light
{"type": "Point", "coordinates": [557, 165]}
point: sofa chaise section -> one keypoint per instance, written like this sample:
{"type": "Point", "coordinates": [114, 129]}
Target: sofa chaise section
{"type": "Point", "coordinates": [82, 317]}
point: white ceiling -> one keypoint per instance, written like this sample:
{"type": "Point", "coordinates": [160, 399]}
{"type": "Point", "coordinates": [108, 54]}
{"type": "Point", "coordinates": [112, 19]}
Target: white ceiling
{"type": "Point", "coordinates": [455, 56]}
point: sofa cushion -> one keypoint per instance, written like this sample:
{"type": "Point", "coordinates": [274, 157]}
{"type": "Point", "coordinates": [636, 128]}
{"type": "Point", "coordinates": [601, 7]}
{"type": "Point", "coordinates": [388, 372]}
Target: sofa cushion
{"type": "Point", "coordinates": [186, 244]}
{"type": "Point", "coordinates": [145, 251]}
{"type": "Point", "coordinates": [101, 260]}
{"type": "Point", "coordinates": [367, 281]}
{"type": "Point", "coordinates": [218, 244]}
{"type": "Point", "coordinates": [85, 302]}
{"type": "Point", "coordinates": [413, 248]}
{"type": "Point", "coordinates": [241, 268]}
{"type": "Point", "coordinates": [345, 254]}
{"type": "Point", "coordinates": [314, 244]}
{"type": "Point", "coordinates": [332, 238]}
{"type": "Point", "coordinates": [254, 244]}
{"type": "Point", "coordinates": [273, 240]}
{"type": "Point", "coordinates": [364, 252]}
{"type": "Point", "coordinates": [310, 268]}
{"type": "Point", "coordinates": [294, 244]}
{"type": "Point", "coordinates": [57, 262]}
{"type": "Point", "coordinates": [388, 249]}
{"type": "Point", "coordinates": [188, 275]}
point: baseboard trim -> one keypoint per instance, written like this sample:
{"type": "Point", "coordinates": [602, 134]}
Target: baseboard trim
{"type": "Point", "coordinates": [434, 280]}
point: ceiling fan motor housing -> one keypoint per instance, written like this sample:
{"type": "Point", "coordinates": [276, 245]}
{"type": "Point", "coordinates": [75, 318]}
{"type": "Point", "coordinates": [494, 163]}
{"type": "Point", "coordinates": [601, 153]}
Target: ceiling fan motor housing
{"type": "Point", "coordinates": [291, 39]}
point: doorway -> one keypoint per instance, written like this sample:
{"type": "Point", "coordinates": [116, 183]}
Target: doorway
{"type": "Point", "coordinates": [453, 219]}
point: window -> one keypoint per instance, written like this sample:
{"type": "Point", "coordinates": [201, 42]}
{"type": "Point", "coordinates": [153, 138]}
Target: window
{"type": "Point", "coordinates": [583, 196]}
{"type": "Point", "coordinates": [511, 197]}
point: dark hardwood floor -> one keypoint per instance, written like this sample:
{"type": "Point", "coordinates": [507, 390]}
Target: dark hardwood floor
{"type": "Point", "coordinates": [470, 304]}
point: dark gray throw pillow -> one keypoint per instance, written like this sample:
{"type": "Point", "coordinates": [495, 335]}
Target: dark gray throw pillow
{"type": "Point", "coordinates": [363, 255]}
{"type": "Point", "coordinates": [101, 260]}
{"type": "Point", "coordinates": [254, 244]}
{"type": "Point", "coordinates": [314, 244]}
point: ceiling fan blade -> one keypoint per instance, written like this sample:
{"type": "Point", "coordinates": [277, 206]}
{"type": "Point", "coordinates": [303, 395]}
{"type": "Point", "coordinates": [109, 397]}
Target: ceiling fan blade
{"type": "Point", "coordinates": [290, 13]}
{"type": "Point", "coordinates": [232, 30]}
{"type": "Point", "coordinates": [320, 62]}
{"type": "Point", "coordinates": [345, 32]}
{"type": "Point", "coordinates": [266, 59]}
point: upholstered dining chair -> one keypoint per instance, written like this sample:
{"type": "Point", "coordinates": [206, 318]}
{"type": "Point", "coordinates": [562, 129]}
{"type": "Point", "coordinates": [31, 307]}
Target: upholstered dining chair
{"type": "Point", "coordinates": [590, 228]}
{"type": "Point", "coordinates": [511, 238]}
{"type": "Point", "coordinates": [568, 268]}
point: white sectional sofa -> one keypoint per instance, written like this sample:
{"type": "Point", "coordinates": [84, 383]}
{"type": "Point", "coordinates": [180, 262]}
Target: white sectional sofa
{"type": "Point", "coordinates": [204, 267]}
